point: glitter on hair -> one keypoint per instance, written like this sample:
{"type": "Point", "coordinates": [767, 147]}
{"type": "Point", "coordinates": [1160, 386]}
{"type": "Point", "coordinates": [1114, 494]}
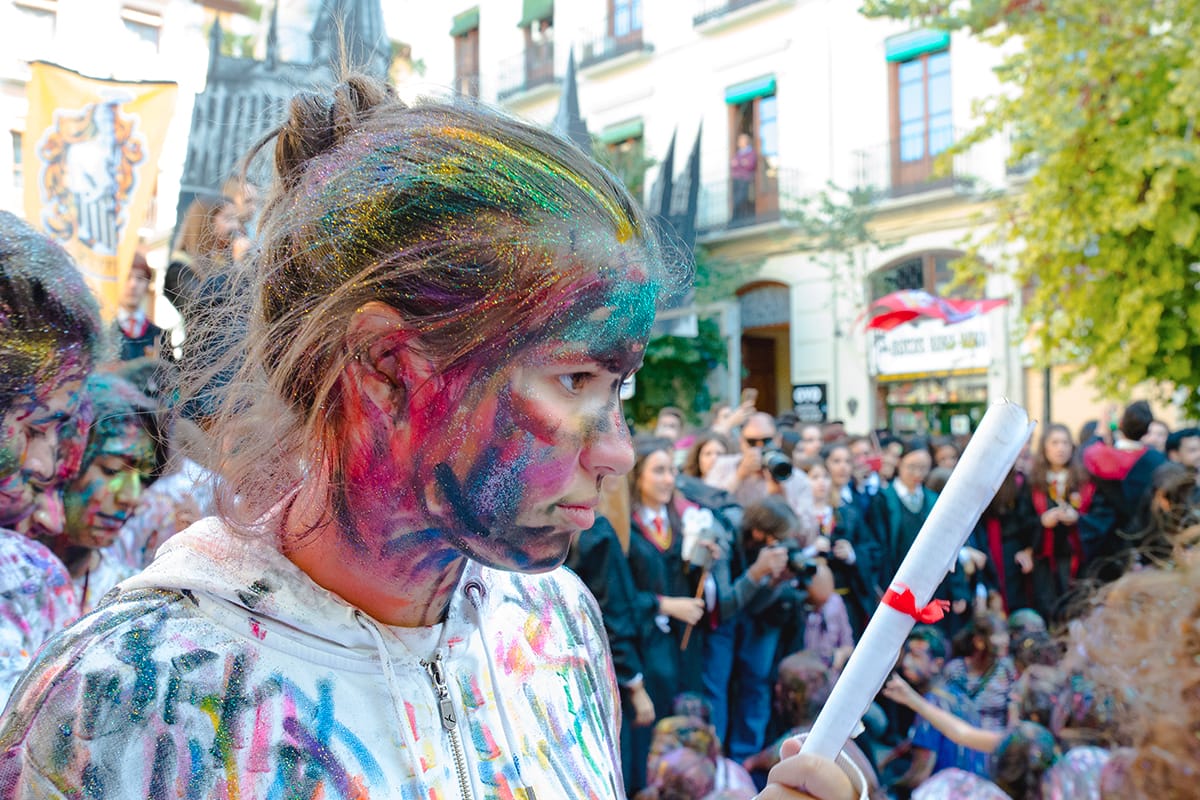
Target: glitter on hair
{"type": "Point", "coordinates": [49, 319]}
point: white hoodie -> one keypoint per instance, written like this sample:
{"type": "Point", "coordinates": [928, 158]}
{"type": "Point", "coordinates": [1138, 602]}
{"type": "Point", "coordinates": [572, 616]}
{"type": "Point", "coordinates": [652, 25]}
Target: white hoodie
{"type": "Point", "coordinates": [223, 671]}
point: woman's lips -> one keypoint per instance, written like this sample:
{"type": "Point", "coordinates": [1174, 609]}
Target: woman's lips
{"type": "Point", "coordinates": [580, 516]}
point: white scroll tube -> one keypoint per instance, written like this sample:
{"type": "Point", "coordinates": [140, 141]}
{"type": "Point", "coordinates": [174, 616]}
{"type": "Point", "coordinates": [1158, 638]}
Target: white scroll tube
{"type": "Point", "coordinates": [985, 463]}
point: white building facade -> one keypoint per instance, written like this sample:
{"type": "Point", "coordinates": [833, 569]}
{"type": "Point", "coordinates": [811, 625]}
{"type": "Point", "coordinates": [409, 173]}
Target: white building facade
{"type": "Point", "coordinates": [127, 40]}
{"type": "Point", "coordinates": [825, 96]}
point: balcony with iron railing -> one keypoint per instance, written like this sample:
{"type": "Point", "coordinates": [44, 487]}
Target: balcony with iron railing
{"type": "Point", "coordinates": [712, 13]}
{"type": "Point", "coordinates": [618, 35]}
{"type": "Point", "coordinates": [530, 69]}
{"type": "Point", "coordinates": [728, 205]}
{"type": "Point", "coordinates": [916, 164]}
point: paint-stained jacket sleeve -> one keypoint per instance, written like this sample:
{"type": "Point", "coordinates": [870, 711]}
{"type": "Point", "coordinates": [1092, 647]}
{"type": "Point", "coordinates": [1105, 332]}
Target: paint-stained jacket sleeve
{"type": "Point", "coordinates": [37, 600]}
{"type": "Point", "coordinates": [66, 730]}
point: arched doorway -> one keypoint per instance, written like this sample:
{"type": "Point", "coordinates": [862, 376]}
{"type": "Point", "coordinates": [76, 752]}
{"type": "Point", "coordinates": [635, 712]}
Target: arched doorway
{"type": "Point", "coordinates": [766, 316]}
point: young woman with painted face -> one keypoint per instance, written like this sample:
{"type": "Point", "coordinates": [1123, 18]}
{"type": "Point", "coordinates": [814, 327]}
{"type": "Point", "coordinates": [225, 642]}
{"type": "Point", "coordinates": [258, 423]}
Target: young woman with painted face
{"type": "Point", "coordinates": [439, 317]}
{"type": "Point", "coordinates": [118, 461]}
{"type": "Point", "coordinates": [49, 333]}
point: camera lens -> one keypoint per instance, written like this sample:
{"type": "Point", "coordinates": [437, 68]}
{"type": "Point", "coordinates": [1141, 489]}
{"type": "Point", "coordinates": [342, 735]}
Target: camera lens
{"type": "Point", "coordinates": [778, 464]}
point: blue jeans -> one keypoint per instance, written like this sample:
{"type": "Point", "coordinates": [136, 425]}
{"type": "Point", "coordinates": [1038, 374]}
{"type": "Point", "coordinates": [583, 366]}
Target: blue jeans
{"type": "Point", "coordinates": [755, 659]}
{"type": "Point", "coordinates": [717, 670]}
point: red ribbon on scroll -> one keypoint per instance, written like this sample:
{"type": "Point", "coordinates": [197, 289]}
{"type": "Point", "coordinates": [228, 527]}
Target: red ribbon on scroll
{"type": "Point", "coordinates": [904, 602]}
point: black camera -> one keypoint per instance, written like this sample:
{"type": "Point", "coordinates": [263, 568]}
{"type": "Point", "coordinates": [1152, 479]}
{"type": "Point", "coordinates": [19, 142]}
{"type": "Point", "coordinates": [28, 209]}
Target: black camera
{"type": "Point", "coordinates": [776, 462]}
{"type": "Point", "coordinates": [801, 563]}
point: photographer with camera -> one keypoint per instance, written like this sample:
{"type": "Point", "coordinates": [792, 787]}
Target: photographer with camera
{"type": "Point", "coordinates": [762, 469]}
{"type": "Point", "coordinates": [780, 567]}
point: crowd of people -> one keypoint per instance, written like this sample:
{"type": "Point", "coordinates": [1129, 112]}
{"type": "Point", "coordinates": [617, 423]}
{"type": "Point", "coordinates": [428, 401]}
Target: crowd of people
{"type": "Point", "coordinates": [306, 545]}
{"type": "Point", "coordinates": [756, 549]}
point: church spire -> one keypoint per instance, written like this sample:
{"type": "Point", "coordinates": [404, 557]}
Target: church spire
{"type": "Point", "coordinates": [567, 122]}
{"type": "Point", "coordinates": [359, 23]}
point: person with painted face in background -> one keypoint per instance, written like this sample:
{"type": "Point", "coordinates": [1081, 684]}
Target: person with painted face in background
{"type": "Point", "coordinates": [118, 461]}
{"type": "Point", "coordinates": [49, 335]}
{"type": "Point", "coordinates": [48, 521]}
{"type": "Point", "coordinates": [443, 307]}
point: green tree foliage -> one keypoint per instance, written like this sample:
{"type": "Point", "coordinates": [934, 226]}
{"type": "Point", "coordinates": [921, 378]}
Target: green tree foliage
{"type": "Point", "coordinates": [675, 373]}
{"type": "Point", "coordinates": [1102, 98]}
{"type": "Point", "coordinates": [717, 278]}
{"type": "Point", "coordinates": [833, 221]}
{"type": "Point", "coordinates": [627, 160]}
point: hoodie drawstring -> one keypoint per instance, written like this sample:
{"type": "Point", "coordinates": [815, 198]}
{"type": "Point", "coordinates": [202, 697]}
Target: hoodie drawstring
{"type": "Point", "coordinates": [389, 675]}
{"type": "Point", "coordinates": [475, 592]}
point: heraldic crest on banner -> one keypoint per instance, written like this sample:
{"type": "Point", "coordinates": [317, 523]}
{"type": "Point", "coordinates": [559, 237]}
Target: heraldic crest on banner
{"type": "Point", "coordinates": [92, 148]}
{"type": "Point", "coordinates": [88, 173]}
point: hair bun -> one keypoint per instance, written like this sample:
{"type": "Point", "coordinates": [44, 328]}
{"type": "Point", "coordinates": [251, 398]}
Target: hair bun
{"type": "Point", "coordinates": [319, 122]}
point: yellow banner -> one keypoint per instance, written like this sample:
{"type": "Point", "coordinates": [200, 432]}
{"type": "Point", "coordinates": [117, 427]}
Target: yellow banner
{"type": "Point", "coordinates": [91, 150]}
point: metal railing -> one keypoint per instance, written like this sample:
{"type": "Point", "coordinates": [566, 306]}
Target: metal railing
{"type": "Point", "coordinates": [911, 165]}
{"type": "Point", "coordinates": [726, 205]}
{"type": "Point", "coordinates": [715, 9]}
{"type": "Point", "coordinates": [609, 41]}
{"type": "Point", "coordinates": [532, 67]}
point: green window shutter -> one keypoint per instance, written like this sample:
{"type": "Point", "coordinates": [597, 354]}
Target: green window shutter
{"type": "Point", "coordinates": [465, 22]}
{"type": "Point", "coordinates": [905, 46]}
{"type": "Point", "coordinates": [749, 90]}
{"type": "Point", "coordinates": [621, 132]}
{"type": "Point", "coordinates": [535, 11]}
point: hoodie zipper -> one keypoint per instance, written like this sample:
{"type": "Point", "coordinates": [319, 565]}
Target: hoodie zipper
{"type": "Point", "coordinates": [449, 722]}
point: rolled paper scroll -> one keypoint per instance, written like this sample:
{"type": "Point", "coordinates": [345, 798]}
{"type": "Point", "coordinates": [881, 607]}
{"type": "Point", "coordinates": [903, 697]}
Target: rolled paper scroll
{"type": "Point", "coordinates": [985, 463]}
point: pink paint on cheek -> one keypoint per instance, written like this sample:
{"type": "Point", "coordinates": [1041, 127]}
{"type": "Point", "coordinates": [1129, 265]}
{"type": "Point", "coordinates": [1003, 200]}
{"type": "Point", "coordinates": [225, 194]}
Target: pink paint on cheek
{"type": "Point", "coordinates": [548, 475]}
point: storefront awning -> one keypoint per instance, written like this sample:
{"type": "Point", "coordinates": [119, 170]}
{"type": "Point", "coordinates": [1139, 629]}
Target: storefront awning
{"type": "Point", "coordinates": [905, 46]}
{"type": "Point", "coordinates": [922, 376]}
{"type": "Point", "coordinates": [465, 22]}
{"type": "Point", "coordinates": [622, 131]}
{"type": "Point", "coordinates": [535, 11]}
{"type": "Point", "coordinates": [748, 90]}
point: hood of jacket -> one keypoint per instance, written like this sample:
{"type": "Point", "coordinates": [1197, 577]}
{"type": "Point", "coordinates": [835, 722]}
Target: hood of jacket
{"type": "Point", "coordinates": [1110, 463]}
{"type": "Point", "coordinates": [224, 646]}
{"type": "Point", "coordinates": [253, 576]}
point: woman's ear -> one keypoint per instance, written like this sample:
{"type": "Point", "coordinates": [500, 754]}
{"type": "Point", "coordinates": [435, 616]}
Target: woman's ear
{"type": "Point", "coordinates": [389, 365]}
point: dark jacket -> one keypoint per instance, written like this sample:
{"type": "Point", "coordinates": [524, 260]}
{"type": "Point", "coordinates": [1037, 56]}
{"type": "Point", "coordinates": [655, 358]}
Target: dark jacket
{"type": "Point", "coordinates": [596, 557]}
{"type": "Point", "coordinates": [883, 521]}
{"type": "Point", "coordinates": [1122, 479]}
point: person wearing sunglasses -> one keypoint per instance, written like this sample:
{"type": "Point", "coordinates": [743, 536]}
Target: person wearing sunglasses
{"type": "Point", "coordinates": [745, 475]}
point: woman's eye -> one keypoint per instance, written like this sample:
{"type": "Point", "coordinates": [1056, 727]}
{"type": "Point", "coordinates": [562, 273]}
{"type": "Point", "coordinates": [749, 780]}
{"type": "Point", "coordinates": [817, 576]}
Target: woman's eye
{"type": "Point", "coordinates": [574, 381]}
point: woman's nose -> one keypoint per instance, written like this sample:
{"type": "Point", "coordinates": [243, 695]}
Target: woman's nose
{"type": "Point", "coordinates": [41, 454]}
{"type": "Point", "coordinates": [49, 519]}
{"type": "Point", "coordinates": [610, 450]}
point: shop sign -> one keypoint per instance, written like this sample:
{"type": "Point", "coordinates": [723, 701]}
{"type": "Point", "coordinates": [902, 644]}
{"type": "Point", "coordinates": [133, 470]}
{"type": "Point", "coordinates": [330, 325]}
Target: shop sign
{"type": "Point", "coordinates": [932, 346]}
{"type": "Point", "coordinates": [810, 401]}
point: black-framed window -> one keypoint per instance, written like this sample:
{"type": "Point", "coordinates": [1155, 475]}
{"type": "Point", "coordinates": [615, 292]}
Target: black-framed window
{"type": "Point", "coordinates": [929, 271]}
{"type": "Point", "coordinates": [17, 159]}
